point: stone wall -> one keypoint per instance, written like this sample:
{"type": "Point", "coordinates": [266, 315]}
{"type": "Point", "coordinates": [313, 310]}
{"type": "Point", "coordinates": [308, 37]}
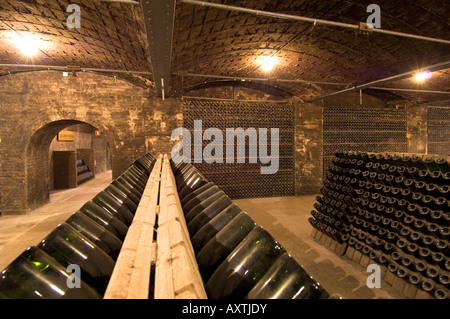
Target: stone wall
{"type": "Point", "coordinates": [35, 106]}
{"type": "Point", "coordinates": [308, 147]}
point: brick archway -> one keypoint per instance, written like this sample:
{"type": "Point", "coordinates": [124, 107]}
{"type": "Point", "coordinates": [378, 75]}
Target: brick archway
{"type": "Point", "coordinates": [37, 159]}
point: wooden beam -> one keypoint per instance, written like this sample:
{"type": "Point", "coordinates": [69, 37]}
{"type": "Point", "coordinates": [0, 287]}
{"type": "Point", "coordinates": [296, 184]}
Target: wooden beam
{"type": "Point", "coordinates": [176, 274]}
{"type": "Point", "coordinates": [131, 275]}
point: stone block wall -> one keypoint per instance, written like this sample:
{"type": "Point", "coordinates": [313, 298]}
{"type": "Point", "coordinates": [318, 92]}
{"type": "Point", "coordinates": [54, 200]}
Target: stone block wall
{"type": "Point", "coordinates": [35, 106]}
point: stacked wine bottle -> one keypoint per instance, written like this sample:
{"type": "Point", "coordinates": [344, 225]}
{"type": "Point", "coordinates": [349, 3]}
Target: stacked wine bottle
{"type": "Point", "coordinates": [236, 257]}
{"type": "Point", "coordinates": [90, 240]}
{"type": "Point", "coordinates": [394, 209]}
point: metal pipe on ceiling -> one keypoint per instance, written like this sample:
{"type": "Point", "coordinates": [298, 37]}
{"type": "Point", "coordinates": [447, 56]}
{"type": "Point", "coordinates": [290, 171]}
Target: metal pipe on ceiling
{"type": "Point", "coordinates": [72, 68]}
{"type": "Point", "coordinates": [121, 1]}
{"type": "Point", "coordinates": [311, 20]}
{"type": "Point", "coordinates": [231, 100]}
{"type": "Point", "coordinates": [407, 90]}
{"type": "Point", "coordinates": [436, 104]}
{"type": "Point", "coordinates": [434, 67]}
{"type": "Point", "coordinates": [240, 78]}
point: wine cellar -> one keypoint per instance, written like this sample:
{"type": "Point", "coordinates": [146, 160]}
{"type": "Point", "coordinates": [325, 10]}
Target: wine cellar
{"type": "Point", "coordinates": [391, 209]}
{"type": "Point", "coordinates": [201, 151]}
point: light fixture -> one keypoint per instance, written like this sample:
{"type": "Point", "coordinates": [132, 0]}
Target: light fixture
{"type": "Point", "coordinates": [268, 62]}
{"type": "Point", "coordinates": [28, 45]}
{"type": "Point", "coordinates": [422, 76]}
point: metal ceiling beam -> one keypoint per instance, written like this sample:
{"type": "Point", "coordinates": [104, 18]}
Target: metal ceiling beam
{"type": "Point", "coordinates": [159, 16]}
{"type": "Point", "coordinates": [398, 77]}
{"type": "Point", "coordinates": [72, 68]}
{"type": "Point", "coordinates": [121, 1]}
{"type": "Point", "coordinates": [241, 78]}
{"type": "Point", "coordinates": [408, 90]}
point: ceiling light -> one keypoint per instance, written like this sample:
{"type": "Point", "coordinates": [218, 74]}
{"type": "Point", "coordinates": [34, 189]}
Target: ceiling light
{"type": "Point", "coordinates": [27, 45]}
{"type": "Point", "coordinates": [268, 62]}
{"type": "Point", "coordinates": [422, 76]}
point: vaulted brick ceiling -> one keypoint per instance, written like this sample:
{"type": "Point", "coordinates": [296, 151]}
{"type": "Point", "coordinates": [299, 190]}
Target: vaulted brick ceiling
{"type": "Point", "coordinates": [210, 41]}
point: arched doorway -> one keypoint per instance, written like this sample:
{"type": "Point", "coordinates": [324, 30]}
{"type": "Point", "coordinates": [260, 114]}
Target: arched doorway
{"type": "Point", "coordinates": [39, 168]}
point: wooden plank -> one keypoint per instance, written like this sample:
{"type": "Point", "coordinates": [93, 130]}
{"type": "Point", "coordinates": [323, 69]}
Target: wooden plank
{"type": "Point", "coordinates": [140, 277]}
{"type": "Point", "coordinates": [163, 269]}
{"type": "Point", "coordinates": [176, 269]}
{"type": "Point", "coordinates": [131, 275]}
{"type": "Point", "coordinates": [186, 279]}
{"type": "Point", "coordinates": [174, 247]}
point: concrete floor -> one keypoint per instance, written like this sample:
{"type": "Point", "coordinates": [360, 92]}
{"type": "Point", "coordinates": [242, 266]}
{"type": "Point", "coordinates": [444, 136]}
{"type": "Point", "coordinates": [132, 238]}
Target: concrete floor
{"type": "Point", "coordinates": [18, 232]}
{"type": "Point", "coordinates": [284, 217]}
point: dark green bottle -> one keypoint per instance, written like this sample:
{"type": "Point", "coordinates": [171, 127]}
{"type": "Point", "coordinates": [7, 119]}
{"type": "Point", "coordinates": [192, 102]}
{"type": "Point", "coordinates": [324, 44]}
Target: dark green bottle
{"type": "Point", "coordinates": [208, 213]}
{"type": "Point", "coordinates": [131, 192]}
{"type": "Point", "coordinates": [68, 246]}
{"type": "Point", "coordinates": [145, 165]}
{"type": "Point", "coordinates": [122, 197]}
{"type": "Point", "coordinates": [199, 198]}
{"type": "Point", "coordinates": [104, 218]}
{"type": "Point", "coordinates": [444, 165]}
{"type": "Point", "coordinates": [205, 201]}
{"type": "Point", "coordinates": [134, 179]}
{"type": "Point", "coordinates": [287, 279]}
{"type": "Point", "coordinates": [431, 164]}
{"type": "Point", "coordinates": [99, 235]}
{"type": "Point", "coordinates": [216, 224]}
{"type": "Point", "coordinates": [185, 174]}
{"type": "Point", "coordinates": [190, 185]}
{"type": "Point", "coordinates": [177, 166]}
{"type": "Point", "coordinates": [197, 192]}
{"type": "Point", "coordinates": [139, 172]}
{"type": "Point", "coordinates": [221, 245]}
{"type": "Point", "coordinates": [183, 170]}
{"type": "Point", "coordinates": [244, 266]}
{"type": "Point", "coordinates": [130, 182]}
{"type": "Point", "coordinates": [36, 275]}
{"type": "Point", "coordinates": [114, 206]}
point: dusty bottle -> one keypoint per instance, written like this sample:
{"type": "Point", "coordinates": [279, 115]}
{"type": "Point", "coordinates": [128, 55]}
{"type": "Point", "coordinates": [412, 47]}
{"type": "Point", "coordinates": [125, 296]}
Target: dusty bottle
{"type": "Point", "coordinates": [36, 275]}
{"type": "Point", "coordinates": [104, 218]}
{"type": "Point", "coordinates": [122, 197]}
{"type": "Point", "coordinates": [443, 165]}
{"type": "Point", "coordinates": [209, 212]}
{"type": "Point", "coordinates": [210, 229]}
{"type": "Point", "coordinates": [99, 235]}
{"type": "Point", "coordinates": [131, 192]}
{"type": "Point", "coordinates": [198, 197]}
{"type": "Point", "coordinates": [218, 247]}
{"type": "Point", "coordinates": [244, 266]}
{"type": "Point", "coordinates": [114, 206]}
{"type": "Point", "coordinates": [68, 246]}
{"type": "Point", "coordinates": [126, 180]}
{"type": "Point", "coordinates": [287, 279]}
{"type": "Point", "coordinates": [431, 164]}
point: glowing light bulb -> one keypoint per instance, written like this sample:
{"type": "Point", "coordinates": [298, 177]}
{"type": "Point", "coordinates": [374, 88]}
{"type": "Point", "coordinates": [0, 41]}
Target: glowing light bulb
{"type": "Point", "coordinates": [268, 62]}
{"type": "Point", "coordinates": [422, 76]}
{"type": "Point", "coordinates": [27, 45]}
